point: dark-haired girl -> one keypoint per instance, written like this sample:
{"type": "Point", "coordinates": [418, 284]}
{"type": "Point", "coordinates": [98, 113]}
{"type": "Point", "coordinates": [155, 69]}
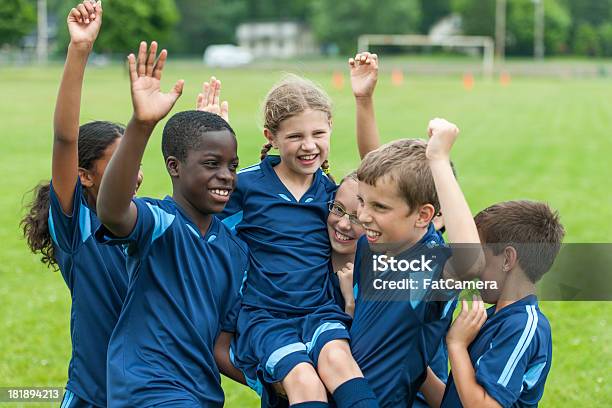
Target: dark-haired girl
{"type": "Point", "coordinates": [62, 218]}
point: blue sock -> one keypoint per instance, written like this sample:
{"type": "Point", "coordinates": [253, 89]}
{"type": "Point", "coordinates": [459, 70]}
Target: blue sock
{"type": "Point", "coordinates": [310, 404]}
{"type": "Point", "coordinates": [355, 393]}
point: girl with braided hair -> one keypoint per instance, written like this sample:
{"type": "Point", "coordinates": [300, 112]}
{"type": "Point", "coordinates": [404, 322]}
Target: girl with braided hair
{"type": "Point", "coordinates": [290, 326]}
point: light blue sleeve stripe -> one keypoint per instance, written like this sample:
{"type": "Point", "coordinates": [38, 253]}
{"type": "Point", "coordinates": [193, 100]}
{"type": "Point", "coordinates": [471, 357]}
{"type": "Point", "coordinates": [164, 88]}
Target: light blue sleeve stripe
{"type": "Point", "coordinates": [232, 357]}
{"type": "Point", "coordinates": [52, 228]}
{"type": "Point", "coordinates": [67, 399]}
{"type": "Point", "coordinates": [84, 222]}
{"type": "Point", "coordinates": [521, 346]}
{"type": "Point", "coordinates": [244, 279]}
{"type": "Point", "coordinates": [447, 307]}
{"type": "Point", "coordinates": [322, 329]}
{"type": "Point", "coordinates": [532, 375]}
{"type": "Point", "coordinates": [162, 221]}
{"type": "Point", "coordinates": [248, 169]}
{"type": "Point", "coordinates": [356, 291]}
{"type": "Point", "coordinates": [281, 353]}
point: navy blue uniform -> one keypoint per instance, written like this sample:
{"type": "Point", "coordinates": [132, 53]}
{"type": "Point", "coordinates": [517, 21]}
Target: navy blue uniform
{"type": "Point", "coordinates": [511, 355]}
{"type": "Point", "coordinates": [97, 278]}
{"type": "Point", "coordinates": [394, 337]}
{"type": "Point", "coordinates": [183, 290]}
{"type": "Point", "coordinates": [288, 311]}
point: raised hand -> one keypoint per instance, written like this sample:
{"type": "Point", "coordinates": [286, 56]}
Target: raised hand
{"type": "Point", "coordinates": [208, 99]}
{"type": "Point", "coordinates": [442, 134]}
{"type": "Point", "coordinates": [84, 21]}
{"type": "Point", "coordinates": [150, 104]}
{"type": "Point", "coordinates": [364, 74]}
{"type": "Point", "coordinates": [466, 326]}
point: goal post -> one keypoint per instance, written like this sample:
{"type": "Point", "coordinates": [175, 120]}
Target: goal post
{"type": "Point", "coordinates": [365, 41]}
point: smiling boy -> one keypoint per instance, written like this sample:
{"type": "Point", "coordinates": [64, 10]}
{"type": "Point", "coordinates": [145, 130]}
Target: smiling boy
{"type": "Point", "coordinates": [185, 267]}
{"type": "Point", "coordinates": [402, 185]}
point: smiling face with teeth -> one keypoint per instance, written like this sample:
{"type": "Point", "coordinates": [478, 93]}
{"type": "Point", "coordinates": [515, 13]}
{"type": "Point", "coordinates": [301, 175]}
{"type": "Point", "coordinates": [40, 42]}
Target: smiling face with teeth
{"type": "Point", "coordinates": [386, 217]}
{"type": "Point", "coordinates": [203, 182]}
{"type": "Point", "coordinates": [343, 234]}
{"type": "Point", "coordinates": [302, 141]}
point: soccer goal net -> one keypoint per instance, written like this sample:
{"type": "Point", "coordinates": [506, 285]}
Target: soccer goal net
{"type": "Point", "coordinates": [456, 41]}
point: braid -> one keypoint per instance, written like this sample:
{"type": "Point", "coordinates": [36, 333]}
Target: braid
{"type": "Point", "coordinates": [325, 168]}
{"type": "Point", "coordinates": [264, 150]}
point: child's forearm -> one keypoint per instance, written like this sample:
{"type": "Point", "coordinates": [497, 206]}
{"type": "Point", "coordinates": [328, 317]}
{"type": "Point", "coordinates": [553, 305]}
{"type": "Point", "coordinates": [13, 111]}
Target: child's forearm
{"type": "Point", "coordinates": [222, 358]}
{"type": "Point", "coordinates": [470, 392]}
{"type": "Point", "coordinates": [349, 307]}
{"type": "Point", "coordinates": [368, 138]}
{"type": "Point", "coordinates": [65, 159]}
{"type": "Point", "coordinates": [119, 181]}
{"type": "Point", "coordinates": [67, 107]}
{"type": "Point", "coordinates": [433, 389]}
{"type": "Point", "coordinates": [458, 219]}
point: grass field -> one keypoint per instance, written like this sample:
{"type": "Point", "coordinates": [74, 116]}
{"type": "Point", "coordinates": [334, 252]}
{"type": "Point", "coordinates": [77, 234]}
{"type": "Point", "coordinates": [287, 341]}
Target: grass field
{"type": "Point", "coordinates": [539, 139]}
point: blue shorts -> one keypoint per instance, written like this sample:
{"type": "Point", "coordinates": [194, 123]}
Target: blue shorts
{"type": "Point", "coordinates": [270, 344]}
{"type": "Point", "coordinates": [71, 400]}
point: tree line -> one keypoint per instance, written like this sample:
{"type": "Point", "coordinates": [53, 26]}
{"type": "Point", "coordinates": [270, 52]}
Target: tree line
{"type": "Point", "coordinates": [572, 27]}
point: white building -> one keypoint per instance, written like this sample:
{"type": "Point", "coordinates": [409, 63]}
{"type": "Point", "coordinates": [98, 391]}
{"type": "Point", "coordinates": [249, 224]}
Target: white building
{"type": "Point", "coordinates": [276, 39]}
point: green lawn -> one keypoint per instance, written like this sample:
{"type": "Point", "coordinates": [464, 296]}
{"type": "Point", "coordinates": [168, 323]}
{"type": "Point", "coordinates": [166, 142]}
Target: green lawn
{"type": "Point", "coordinates": [538, 139]}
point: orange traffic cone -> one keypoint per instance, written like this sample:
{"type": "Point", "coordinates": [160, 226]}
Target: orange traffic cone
{"type": "Point", "coordinates": [468, 82]}
{"type": "Point", "coordinates": [338, 80]}
{"type": "Point", "coordinates": [504, 79]}
{"type": "Point", "coordinates": [397, 77]}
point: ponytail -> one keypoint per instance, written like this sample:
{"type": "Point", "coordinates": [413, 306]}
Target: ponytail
{"type": "Point", "coordinates": [325, 168]}
{"type": "Point", "coordinates": [35, 225]}
{"type": "Point", "coordinates": [264, 150]}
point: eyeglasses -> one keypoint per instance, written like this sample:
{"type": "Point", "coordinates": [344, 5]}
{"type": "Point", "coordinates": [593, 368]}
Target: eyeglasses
{"type": "Point", "coordinates": [339, 211]}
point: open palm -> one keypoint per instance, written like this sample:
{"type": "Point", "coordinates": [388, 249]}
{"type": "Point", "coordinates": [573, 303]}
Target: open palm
{"type": "Point", "coordinates": [150, 103]}
{"type": "Point", "coordinates": [84, 22]}
{"type": "Point", "coordinates": [364, 74]}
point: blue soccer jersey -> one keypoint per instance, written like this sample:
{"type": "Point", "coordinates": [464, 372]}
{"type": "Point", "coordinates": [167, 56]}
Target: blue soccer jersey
{"type": "Point", "coordinates": [287, 239]}
{"type": "Point", "coordinates": [511, 355]}
{"type": "Point", "coordinates": [396, 333]}
{"type": "Point", "coordinates": [183, 290]}
{"type": "Point", "coordinates": [97, 279]}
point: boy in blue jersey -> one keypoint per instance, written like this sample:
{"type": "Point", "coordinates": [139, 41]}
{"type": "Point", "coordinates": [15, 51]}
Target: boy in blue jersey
{"type": "Point", "coordinates": [364, 76]}
{"type": "Point", "coordinates": [185, 268]}
{"type": "Point", "coordinates": [402, 185]}
{"type": "Point", "coordinates": [501, 356]}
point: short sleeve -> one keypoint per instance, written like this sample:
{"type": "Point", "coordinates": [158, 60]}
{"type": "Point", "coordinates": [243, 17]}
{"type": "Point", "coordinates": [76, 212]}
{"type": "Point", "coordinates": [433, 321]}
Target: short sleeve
{"type": "Point", "coordinates": [502, 369]}
{"type": "Point", "coordinates": [68, 232]}
{"type": "Point", "coordinates": [151, 222]}
{"type": "Point", "coordinates": [234, 302]}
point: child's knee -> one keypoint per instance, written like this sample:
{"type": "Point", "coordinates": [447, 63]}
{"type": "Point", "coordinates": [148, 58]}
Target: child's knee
{"type": "Point", "coordinates": [303, 384]}
{"type": "Point", "coordinates": [336, 354]}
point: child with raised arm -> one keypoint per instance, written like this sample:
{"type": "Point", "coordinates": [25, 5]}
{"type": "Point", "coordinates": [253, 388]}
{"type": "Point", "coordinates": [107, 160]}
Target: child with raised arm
{"type": "Point", "coordinates": [501, 356]}
{"type": "Point", "coordinates": [364, 76]}
{"type": "Point", "coordinates": [62, 218]}
{"type": "Point", "coordinates": [395, 333]}
{"type": "Point", "coordinates": [185, 267]}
